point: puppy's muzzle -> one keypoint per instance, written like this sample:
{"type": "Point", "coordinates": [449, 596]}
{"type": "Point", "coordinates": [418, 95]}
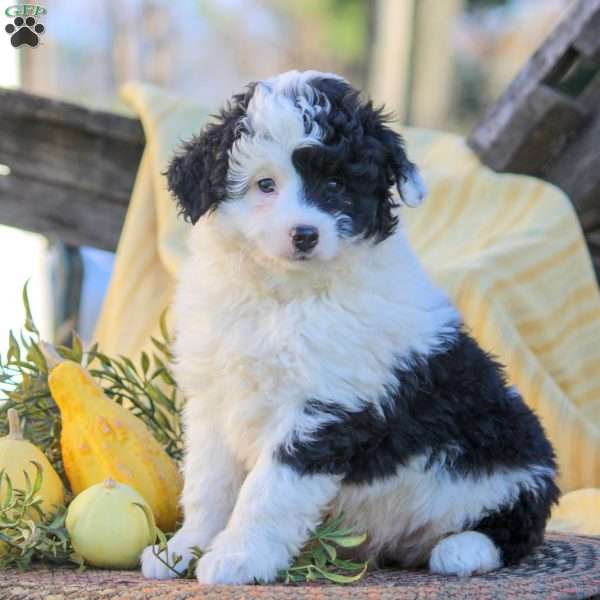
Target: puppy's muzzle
{"type": "Point", "coordinates": [304, 237]}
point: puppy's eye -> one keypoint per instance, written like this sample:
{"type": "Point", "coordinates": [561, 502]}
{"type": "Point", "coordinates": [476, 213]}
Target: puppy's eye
{"type": "Point", "coordinates": [266, 186]}
{"type": "Point", "coordinates": [335, 185]}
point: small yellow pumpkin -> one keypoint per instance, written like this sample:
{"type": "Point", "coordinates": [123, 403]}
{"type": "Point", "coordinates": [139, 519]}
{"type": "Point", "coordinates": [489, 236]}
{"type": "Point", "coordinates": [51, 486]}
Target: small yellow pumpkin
{"type": "Point", "coordinates": [17, 457]}
{"type": "Point", "coordinates": [110, 524]}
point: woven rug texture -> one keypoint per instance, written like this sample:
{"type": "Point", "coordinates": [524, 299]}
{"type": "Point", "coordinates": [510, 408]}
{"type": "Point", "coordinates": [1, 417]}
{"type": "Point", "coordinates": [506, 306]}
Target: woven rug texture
{"type": "Point", "coordinates": [564, 567]}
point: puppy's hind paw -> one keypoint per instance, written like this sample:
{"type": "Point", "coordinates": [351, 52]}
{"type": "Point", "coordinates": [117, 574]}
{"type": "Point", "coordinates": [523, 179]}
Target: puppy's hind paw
{"type": "Point", "coordinates": [465, 554]}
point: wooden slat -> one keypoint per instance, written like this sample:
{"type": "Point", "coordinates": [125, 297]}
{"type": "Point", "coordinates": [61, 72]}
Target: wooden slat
{"type": "Point", "coordinates": [71, 169]}
{"type": "Point", "coordinates": [547, 123]}
{"type": "Point", "coordinates": [532, 114]}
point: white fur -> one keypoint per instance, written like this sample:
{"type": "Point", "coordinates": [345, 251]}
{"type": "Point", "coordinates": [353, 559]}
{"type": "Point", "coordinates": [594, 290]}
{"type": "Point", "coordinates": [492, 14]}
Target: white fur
{"type": "Point", "coordinates": [267, 219]}
{"type": "Point", "coordinates": [408, 514]}
{"type": "Point", "coordinates": [257, 333]}
{"type": "Point", "coordinates": [274, 513]}
{"type": "Point", "coordinates": [274, 126]}
{"type": "Point", "coordinates": [465, 554]}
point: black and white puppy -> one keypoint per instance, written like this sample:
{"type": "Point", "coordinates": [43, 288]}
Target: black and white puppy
{"type": "Point", "coordinates": [324, 372]}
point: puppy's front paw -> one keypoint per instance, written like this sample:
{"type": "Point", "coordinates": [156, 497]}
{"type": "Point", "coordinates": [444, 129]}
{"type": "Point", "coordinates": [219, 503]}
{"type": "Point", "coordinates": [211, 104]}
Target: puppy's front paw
{"type": "Point", "coordinates": [464, 554]}
{"type": "Point", "coordinates": [155, 568]}
{"type": "Point", "coordinates": [237, 562]}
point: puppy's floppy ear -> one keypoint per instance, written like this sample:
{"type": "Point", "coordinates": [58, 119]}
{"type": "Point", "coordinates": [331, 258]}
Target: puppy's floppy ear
{"type": "Point", "coordinates": [197, 175]}
{"type": "Point", "coordinates": [405, 174]}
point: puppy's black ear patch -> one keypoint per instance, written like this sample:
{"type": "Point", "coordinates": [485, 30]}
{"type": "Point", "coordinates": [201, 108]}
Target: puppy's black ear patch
{"type": "Point", "coordinates": [197, 175]}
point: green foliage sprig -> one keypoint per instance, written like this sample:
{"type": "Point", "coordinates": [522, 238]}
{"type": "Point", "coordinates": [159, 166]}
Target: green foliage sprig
{"type": "Point", "coordinates": [26, 534]}
{"type": "Point", "coordinates": [24, 387]}
{"type": "Point", "coordinates": [319, 560]}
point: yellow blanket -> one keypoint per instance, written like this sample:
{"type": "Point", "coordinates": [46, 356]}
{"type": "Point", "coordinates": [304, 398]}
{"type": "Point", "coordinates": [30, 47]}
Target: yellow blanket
{"type": "Point", "coordinates": [507, 248]}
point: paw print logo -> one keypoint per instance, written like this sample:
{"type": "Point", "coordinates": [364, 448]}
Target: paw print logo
{"type": "Point", "coordinates": [24, 31]}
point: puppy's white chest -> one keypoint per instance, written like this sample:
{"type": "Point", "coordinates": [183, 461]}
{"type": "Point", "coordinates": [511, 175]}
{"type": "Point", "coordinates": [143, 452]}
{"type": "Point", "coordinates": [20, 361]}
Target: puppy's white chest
{"type": "Point", "coordinates": [250, 355]}
{"type": "Point", "coordinates": [253, 368]}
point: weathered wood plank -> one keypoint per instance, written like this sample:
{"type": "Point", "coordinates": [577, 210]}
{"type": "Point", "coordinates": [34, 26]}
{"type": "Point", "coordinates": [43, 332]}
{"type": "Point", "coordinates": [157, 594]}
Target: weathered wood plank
{"type": "Point", "coordinates": [71, 169]}
{"type": "Point", "coordinates": [588, 41]}
{"type": "Point", "coordinates": [547, 122]}
{"type": "Point", "coordinates": [577, 171]}
{"type": "Point", "coordinates": [80, 218]}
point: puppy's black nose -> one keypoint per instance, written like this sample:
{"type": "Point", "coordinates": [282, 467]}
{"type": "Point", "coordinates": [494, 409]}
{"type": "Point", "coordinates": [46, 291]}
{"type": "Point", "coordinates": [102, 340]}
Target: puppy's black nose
{"type": "Point", "coordinates": [305, 237]}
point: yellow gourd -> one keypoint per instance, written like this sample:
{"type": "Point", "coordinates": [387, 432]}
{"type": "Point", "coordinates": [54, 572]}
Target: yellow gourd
{"type": "Point", "coordinates": [101, 439]}
{"type": "Point", "coordinates": [109, 525]}
{"type": "Point", "coordinates": [17, 456]}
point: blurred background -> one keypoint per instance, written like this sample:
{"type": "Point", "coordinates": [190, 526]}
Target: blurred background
{"type": "Point", "coordinates": [434, 63]}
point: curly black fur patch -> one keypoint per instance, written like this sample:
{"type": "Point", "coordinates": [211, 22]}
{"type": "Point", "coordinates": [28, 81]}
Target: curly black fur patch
{"type": "Point", "coordinates": [197, 175]}
{"type": "Point", "coordinates": [519, 527]}
{"type": "Point", "coordinates": [454, 407]}
{"type": "Point", "coordinates": [360, 150]}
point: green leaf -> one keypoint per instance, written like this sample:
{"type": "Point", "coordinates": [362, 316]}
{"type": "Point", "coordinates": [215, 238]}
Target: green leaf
{"type": "Point", "coordinates": [163, 421]}
{"type": "Point", "coordinates": [331, 551]}
{"type": "Point", "coordinates": [157, 396]}
{"type": "Point", "coordinates": [39, 474]}
{"type": "Point", "coordinates": [164, 331]}
{"type": "Point", "coordinates": [149, 518]}
{"type": "Point", "coordinates": [34, 354]}
{"type": "Point", "coordinates": [349, 541]}
{"type": "Point", "coordinates": [175, 559]}
{"type": "Point", "coordinates": [29, 324]}
{"type": "Point", "coordinates": [162, 539]}
{"type": "Point", "coordinates": [14, 351]}
{"type": "Point", "coordinates": [161, 346]}
{"type": "Point", "coordinates": [7, 497]}
{"type": "Point", "coordinates": [319, 557]}
{"type": "Point", "coordinates": [28, 485]}
{"type": "Point", "coordinates": [90, 354]}
{"type": "Point", "coordinates": [343, 579]}
{"type": "Point", "coordinates": [129, 363]}
{"type": "Point", "coordinates": [162, 371]}
{"type": "Point", "coordinates": [77, 349]}
{"type": "Point", "coordinates": [145, 363]}
{"type": "Point", "coordinates": [104, 360]}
